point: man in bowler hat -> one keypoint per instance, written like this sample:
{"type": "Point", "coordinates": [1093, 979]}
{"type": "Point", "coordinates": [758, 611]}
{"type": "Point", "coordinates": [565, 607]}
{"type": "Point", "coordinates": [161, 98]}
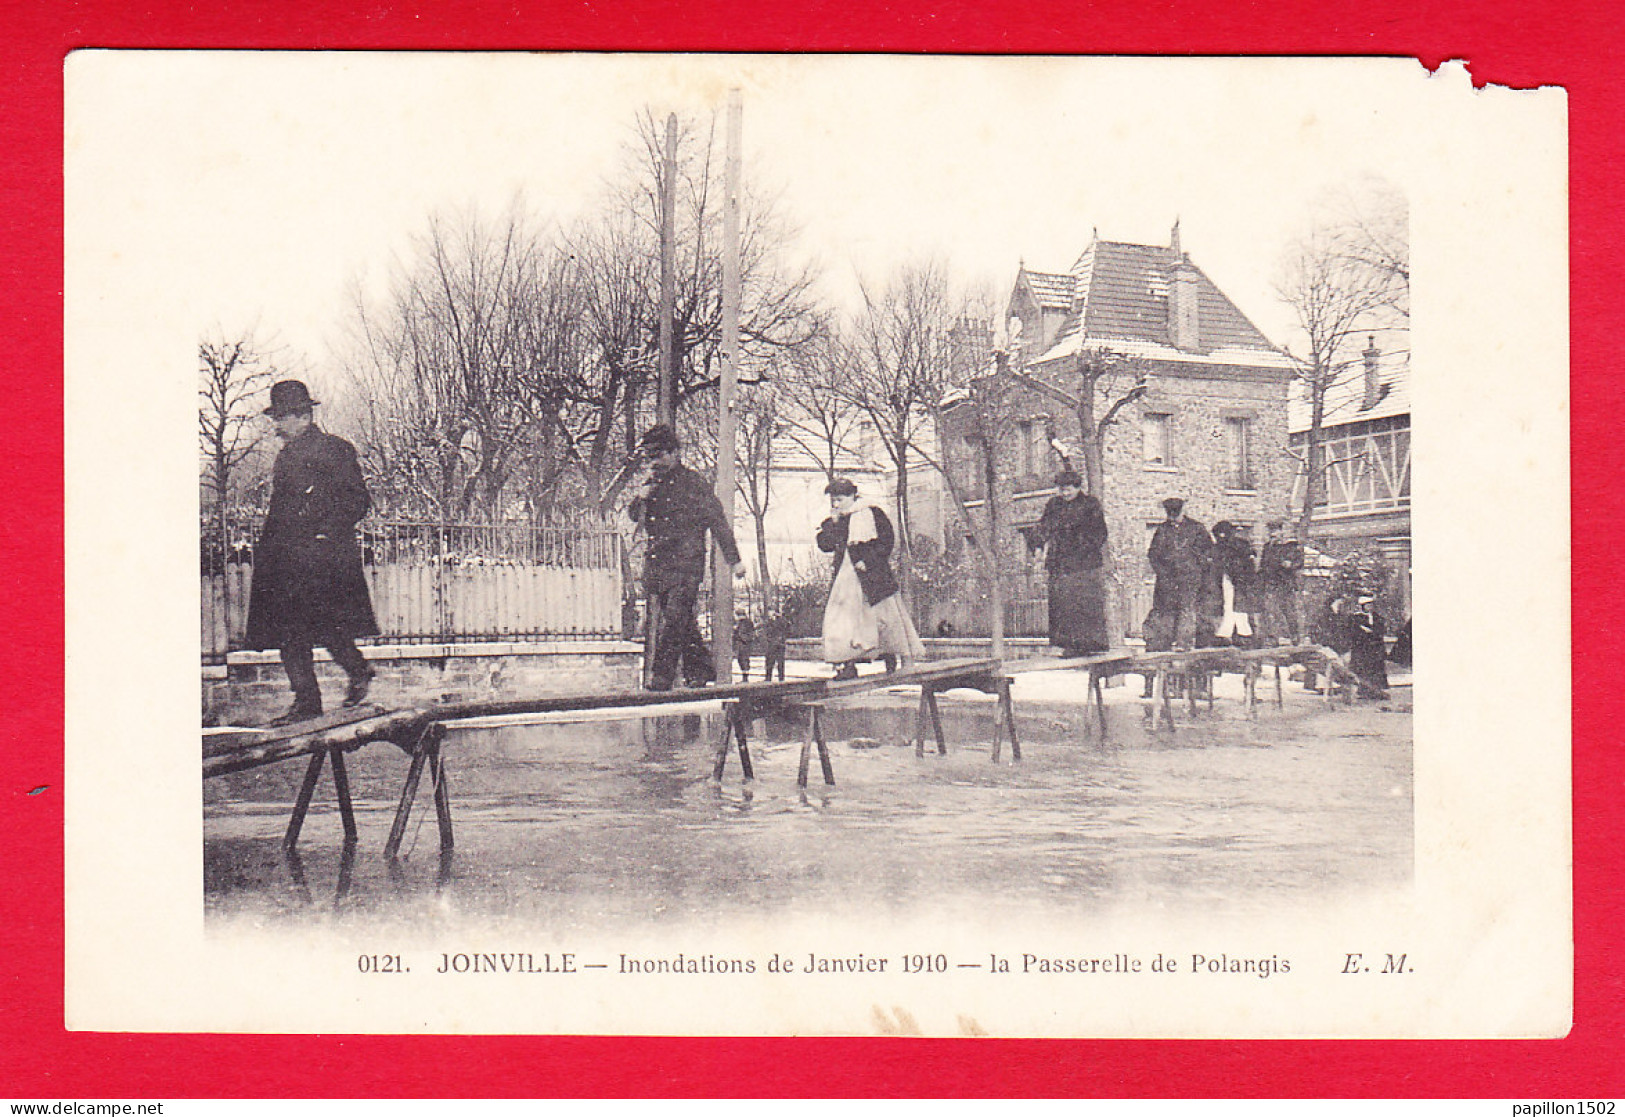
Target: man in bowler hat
{"type": "Point", "coordinates": [308, 586]}
{"type": "Point", "coordinates": [676, 507]}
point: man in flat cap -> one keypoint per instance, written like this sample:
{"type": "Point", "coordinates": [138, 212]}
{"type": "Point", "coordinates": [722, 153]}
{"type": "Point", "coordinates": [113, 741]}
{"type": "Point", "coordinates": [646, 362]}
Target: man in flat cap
{"type": "Point", "coordinates": [676, 507]}
{"type": "Point", "coordinates": [308, 586]}
{"type": "Point", "coordinates": [1181, 556]}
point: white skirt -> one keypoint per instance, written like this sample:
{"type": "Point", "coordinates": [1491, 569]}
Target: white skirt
{"type": "Point", "coordinates": [854, 629]}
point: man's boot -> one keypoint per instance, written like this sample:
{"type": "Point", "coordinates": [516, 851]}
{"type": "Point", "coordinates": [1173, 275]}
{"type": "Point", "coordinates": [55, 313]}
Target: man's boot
{"type": "Point", "coordinates": [305, 707]}
{"type": "Point", "coordinates": [356, 692]}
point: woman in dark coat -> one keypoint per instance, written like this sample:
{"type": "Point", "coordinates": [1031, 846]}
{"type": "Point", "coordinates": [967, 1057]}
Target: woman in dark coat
{"type": "Point", "coordinates": [865, 613]}
{"type": "Point", "coordinates": [1072, 533]}
{"type": "Point", "coordinates": [1367, 649]}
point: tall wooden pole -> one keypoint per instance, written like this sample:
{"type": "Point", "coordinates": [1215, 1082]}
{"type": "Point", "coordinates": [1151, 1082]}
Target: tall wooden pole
{"type": "Point", "coordinates": [722, 591]}
{"type": "Point", "coordinates": [666, 405]}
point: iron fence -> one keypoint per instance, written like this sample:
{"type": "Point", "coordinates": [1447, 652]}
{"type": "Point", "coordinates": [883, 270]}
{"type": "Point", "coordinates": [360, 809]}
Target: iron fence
{"type": "Point", "coordinates": [445, 582]}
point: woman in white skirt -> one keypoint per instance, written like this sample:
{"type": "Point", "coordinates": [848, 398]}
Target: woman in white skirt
{"type": "Point", "coordinates": [865, 616]}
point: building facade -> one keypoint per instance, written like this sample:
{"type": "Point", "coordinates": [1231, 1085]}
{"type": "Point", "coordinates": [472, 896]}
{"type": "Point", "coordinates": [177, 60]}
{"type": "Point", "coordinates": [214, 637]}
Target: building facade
{"type": "Point", "coordinates": [1194, 399]}
{"type": "Point", "coordinates": [1365, 503]}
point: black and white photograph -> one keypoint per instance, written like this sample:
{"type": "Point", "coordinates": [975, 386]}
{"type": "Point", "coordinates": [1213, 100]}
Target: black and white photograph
{"type": "Point", "coordinates": [816, 545]}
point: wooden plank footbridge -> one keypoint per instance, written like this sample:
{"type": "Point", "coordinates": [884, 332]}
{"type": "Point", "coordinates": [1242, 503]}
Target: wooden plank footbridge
{"type": "Point", "coordinates": [420, 732]}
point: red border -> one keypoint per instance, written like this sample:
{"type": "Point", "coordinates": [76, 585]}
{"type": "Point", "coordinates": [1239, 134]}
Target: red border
{"type": "Point", "coordinates": [1513, 42]}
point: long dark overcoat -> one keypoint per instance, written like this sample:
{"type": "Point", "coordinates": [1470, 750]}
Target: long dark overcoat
{"type": "Point", "coordinates": [1073, 535]}
{"type": "Point", "coordinates": [676, 514]}
{"type": "Point", "coordinates": [307, 565]}
{"type": "Point", "coordinates": [1181, 555]}
{"type": "Point", "coordinates": [875, 575]}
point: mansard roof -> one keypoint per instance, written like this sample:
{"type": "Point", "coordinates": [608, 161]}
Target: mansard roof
{"type": "Point", "coordinates": [1117, 296]}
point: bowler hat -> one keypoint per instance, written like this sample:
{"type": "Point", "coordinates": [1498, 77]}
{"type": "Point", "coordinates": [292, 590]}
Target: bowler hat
{"type": "Point", "coordinates": [841, 486]}
{"type": "Point", "coordinates": [1174, 504]}
{"type": "Point", "coordinates": [1068, 478]}
{"type": "Point", "coordinates": [289, 397]}
{"type": "Point", "coordinates": [660, 438]}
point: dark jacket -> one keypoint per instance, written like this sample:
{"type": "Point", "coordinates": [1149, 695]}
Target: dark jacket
{"type": "Point", "coordinates": [1234, 556]}
{"type": "Point", "coordinates": [1279, 564]}
{"type": "Point", "coordinates": [676, 515]}
{"type": "Point", "coordinates": [1072, 533]}
{"type": "Point", "coordinates": [307, 565]}
{"type": "Point", "coordinates": [875, 575]}
{"type": "Point", "coordinates": [1181, 553]}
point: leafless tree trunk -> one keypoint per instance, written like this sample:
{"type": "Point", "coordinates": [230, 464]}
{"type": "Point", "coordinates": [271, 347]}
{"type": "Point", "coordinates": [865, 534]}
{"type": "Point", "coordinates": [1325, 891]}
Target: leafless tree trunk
{"type": "Point", "coordinates": [1343, 278]}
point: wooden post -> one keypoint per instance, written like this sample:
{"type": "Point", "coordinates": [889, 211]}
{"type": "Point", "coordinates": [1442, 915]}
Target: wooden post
{"type": "Point", "coordinates": [806, 747]}
{"type": "Point", "coordinates": [920, 715]}
{"type": "Point", "coordinates": [722, 586]}
{"type": "Point", "coordinates": [823, 747]}
{"type": "Point", "coordinates": [1249, 686]}
{"type": "Point", "coordinates": [1280, 697]}
{"type": "Point", "coordinates": [346, 870]}
{"type": "Point", "coordinates": [1162, 700]}
{"type": "Point", "coordinates": [409, 791]}
{"type": "Point", "coordinates": [721, 764]}
{"type": "Point", "coordinates": [306, 790]}
{"type": "Point", "coordinates": [930, 696]}
{"type": "Point", "coordinates": [998, 728]}
{"type": "Point", "coordinates": [740, 721]}
{"type": "Point", "coordinates": [666, 402]}
{"type": "Point", "coordinates": [1098, 693]}
{"type": "Point", "coordinates": [442, 792]}
{"type": "Point", "coordinates": [1007, 708]}
{"type": "Point", "coordinates": [341, 785]}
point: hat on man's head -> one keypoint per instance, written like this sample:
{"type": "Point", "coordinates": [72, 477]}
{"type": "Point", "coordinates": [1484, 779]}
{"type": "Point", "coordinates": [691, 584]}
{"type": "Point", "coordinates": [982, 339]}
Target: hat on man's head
{"type": "Point", "coordinates": [289, 397]}
{"type": "Point", "coordinates": [841, 486]}
{"type": "Point", "coordinates": [1068, 477]}
{"type": "Point", "coordinates": [1223, 529]}
{"type": "Point", "coordinates": [659, 438]}
{"type": "Point", "coordinates": [1174, 504]}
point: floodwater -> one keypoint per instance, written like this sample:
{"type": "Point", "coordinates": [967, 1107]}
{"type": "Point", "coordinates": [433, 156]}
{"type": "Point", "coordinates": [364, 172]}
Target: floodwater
{"type": "Point", "coordinates": [604, 823]}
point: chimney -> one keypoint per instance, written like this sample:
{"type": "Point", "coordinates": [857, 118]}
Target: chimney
{"type": "Point", "coordinates": [1184, 325]}
{"type": "Point", "coordinates": [1173, 241]}
{"type": "Point", "coordinates": [1373, 386]}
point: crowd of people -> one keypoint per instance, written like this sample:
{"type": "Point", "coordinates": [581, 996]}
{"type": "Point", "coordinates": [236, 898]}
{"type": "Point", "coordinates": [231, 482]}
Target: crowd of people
{"type": "Point", "coordinates": [1211, 590]}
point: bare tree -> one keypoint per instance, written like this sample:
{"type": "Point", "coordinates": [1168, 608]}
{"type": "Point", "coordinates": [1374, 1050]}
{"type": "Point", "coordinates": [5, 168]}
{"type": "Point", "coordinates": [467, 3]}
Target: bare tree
{"type": "Point", "coordinates": [903, 353]}
{"type": "Point", "coordinates": [1346, 276]}
{"type": "Point", "coordinates": [759, 425]}
{"type": "Point", "coordinates": [815, 407]}
{"type": "Point", "coordinates": [233, 374]}
{"type": "Point", "coordinates": [776, 309]}
{"type": "Point", "coordinates": [1101, 382]}
{"type": "Point", "coordinates": [468, 362]}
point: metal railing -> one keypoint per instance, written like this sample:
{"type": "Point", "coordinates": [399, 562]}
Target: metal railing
{"type": "Point", "coordinates": [445, 582]}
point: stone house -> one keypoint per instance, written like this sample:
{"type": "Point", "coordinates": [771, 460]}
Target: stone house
{"type": "Point", "coordinates": [1198, 400]}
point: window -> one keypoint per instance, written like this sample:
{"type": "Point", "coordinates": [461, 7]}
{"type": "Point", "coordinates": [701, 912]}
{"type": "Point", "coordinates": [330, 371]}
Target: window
{"type": "Point", "coordinates": [1158, 432]}
{"type": "Point", "coordinates": [1238, 441]}
{"type": "Point", "coordinates": [1024, 448]}
{"type": "Point", "coordinates": [1043, 455]}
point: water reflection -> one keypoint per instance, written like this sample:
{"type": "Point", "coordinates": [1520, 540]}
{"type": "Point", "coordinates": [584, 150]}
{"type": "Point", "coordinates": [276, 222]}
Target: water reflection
{"type": "Point", "coordinates": [576, 824]}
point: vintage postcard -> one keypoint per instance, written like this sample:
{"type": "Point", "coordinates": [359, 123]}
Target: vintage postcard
{"type": "Point", "coordinates": [815, 545]}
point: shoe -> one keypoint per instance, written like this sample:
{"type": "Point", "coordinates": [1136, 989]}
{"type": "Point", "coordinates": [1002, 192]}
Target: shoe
{"type": "Point", "coordinates": [357, 690]}
{"type": "Point", "coordinates": [298, 712]}
{"type": "Point", "coordinates": [846, 671]}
